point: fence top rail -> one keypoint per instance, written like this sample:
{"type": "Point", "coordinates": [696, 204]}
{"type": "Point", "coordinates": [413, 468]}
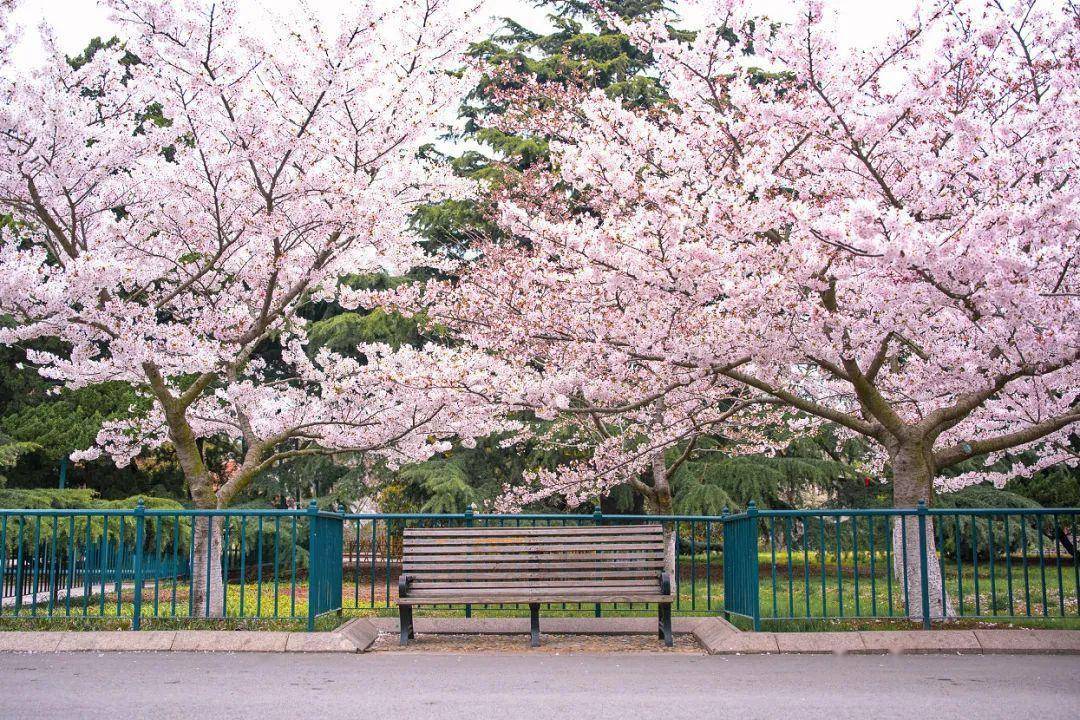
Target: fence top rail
{"type": "Point", "coordinates": [130, 512]}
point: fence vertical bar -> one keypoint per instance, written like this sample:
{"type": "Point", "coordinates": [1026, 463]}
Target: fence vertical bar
{"type": "Point", "coordinates": [871, 522]}
{"type": "Point", "coordinates": [292, 570]}
{"type": "Point", "coordinates": [1024, 563]}
{"type": "Point", "coordinates": [87, 580]}
{"type": "Point", "coordinates": [259, 569]}
{"type": "Point", "coordinates": [118, 577]}
{"type": "Point", "coordinates": [1060, 578]}
{"type": "Point", "coordinates": [374, 548]}
{"type": "Point", "coordinates": [993, 574]}
{"type": "Point", "coordinates": [1042, 563]}
{"type": "Point", "coordinates": [4, 557]}
{"type": "Point", "coordinates": [243, 563]}
{"type": "Point", "coordinates": [755, 590]}
{"type": "Point", "coordinates": [772, 561]}
{"type": "Point", "coordinates": [277, 561]}
{"type": "Point", "coordinates": [71, 562]}
{"type": "Point", "coordinates": [52, 566]}
{"type": "Point", "coordinates": [140, 531]}
{"type": "Point", "coordinates": [468, 521]}
{"type": "Point", "coordinates": [312, 513]}
{"type": "Point", "coordinates": [708, 565]}
{"type": "Point", "coordinates": [226, 543]}
{"type": "Point", "coordinates": [728, 568]}
{"type": "Point", "coordinates": [37, 555]}
{"type": "Point", "coordinates": [924, 569]}
{"type": "Point", "coordinates": [157, 563]}
{"type": "Point", "coordinates": [975, 565]}
{"type": "Point", "coordinates": [19, 566]}
{"type": "Point", "coordinates": [598, 519]}
{"type": "Point", "coordinates": [855, 560]}
{"type": "Point", "coordinates": [806, 563]}
{"type": "Point", "coordinates": [839, 567]}
{"type": "Point", "coordinates": [1008, 564]}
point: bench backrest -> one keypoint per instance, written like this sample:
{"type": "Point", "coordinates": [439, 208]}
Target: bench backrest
{"type": "Point", "coordinates": [617, 556]}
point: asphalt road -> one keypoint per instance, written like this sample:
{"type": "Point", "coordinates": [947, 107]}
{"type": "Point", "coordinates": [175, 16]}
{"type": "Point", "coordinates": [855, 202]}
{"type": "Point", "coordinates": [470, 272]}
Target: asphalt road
{"type": "Point", "coordinates": [625, 687]}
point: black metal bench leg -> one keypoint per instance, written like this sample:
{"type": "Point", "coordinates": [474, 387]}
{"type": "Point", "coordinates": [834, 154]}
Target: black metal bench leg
{"type": "Point", "coordinates": [534, 623]}
{"type": "Point", "coordinates": [665, 624]}
{"type": "Point", "coordinates": [405, 623]}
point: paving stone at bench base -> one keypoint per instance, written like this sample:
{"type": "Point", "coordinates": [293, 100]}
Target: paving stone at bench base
{"type": "Point", "coordinates": [1029, 641]}
{"type": "Point", "coordinates": [738, 643]}
{"type": "Point", "coordinates": [839, 643]}
{"type": "Point", "coordinates": [361, 632]}
{"type": "Point", "coordinates": [24, 641]}
{"type": "Point", "coordinates": [230, 641]}
{"type": "Point", "coordinates": [325, 642]}
{"type": "Point", "coordinates": [921, 641]}
{"type": "Point", "coordinates": [116, 641]}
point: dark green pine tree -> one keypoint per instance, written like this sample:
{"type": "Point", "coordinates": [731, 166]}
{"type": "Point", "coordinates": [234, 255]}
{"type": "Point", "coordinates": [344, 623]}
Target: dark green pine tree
{"type": "Point", "coordinates": [578, 48]}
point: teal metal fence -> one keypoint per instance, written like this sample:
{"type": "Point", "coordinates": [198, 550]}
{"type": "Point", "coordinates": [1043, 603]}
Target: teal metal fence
{"type": "Point", "coordinates": [911, 563]}
{"type": "Point", "coordinates": [147, 564]}
{"type": "Point", "coordinates": [779, 567]}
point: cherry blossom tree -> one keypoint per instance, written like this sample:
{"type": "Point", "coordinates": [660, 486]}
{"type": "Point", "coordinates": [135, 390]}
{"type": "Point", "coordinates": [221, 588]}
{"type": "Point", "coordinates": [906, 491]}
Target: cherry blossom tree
{"type": "Point", "coordinates": [884, 239]}
{"type": "Point", "coordinates": [170, 216]}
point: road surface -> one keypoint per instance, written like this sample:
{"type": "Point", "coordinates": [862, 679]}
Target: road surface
{"type": "Point", "coordinates": [411, 686]}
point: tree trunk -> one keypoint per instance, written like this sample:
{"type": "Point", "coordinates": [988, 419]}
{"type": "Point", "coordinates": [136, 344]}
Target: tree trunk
{"type": "Point", "coordinates": [660, 503]}
{"type": "Point", "coordinates": [913, 476]}
{"type": "Point", "coordinates": [207, 585]}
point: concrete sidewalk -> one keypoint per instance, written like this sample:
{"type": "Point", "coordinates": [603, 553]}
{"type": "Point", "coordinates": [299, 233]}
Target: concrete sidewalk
{"type": "Point", "coordinates": [716, 636]}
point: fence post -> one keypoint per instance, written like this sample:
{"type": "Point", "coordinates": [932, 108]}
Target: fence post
{"type": "Point", "coordinates": [140, 534]}
{"type": "Point", "coordinates": [598, 519]}
{"type": "Point", "coordinates": [728, 584]}
{"type": "Point", "coordinates": [924, 570]}
{"type": "Point", "coordinates": [468, 523]}
{"type": "Point", "coordinates": [313, 551]}
{"type": "Point", "coordinates": [751, 549]}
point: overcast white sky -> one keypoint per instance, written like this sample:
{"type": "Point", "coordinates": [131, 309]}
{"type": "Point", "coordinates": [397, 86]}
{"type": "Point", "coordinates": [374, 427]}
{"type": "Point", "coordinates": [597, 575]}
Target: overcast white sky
{"type": "Point", "coordinates": [76, 21]}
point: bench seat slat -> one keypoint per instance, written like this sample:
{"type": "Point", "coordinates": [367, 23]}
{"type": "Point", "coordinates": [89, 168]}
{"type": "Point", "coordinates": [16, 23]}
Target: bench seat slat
{"type": "Point", "coordinates": [456, 564]}
{"type": "Point", "coordinates": [589, 540]}
{"type": "Point", "coordinates": [496, 530]}
{"type": "Point", "coordinates": [534, 577]}
{"type": "Point", "coordinates": [534, 583]}
{"type": "Point", "coordinates": [525, 597]}
{"type": "Point", "coordinates": [525, 557]}
{"type": "Point", "coordinates": [542, 548]}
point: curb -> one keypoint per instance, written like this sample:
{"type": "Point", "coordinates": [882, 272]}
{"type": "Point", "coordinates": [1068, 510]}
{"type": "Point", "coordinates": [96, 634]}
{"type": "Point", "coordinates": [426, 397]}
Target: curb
{"type": "Point", "coordinates": [353, 637]}
{"type": "Point", "coordinates": [718, 639]}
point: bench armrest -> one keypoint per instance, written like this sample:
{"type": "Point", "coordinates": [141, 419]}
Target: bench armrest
{"type": "Point", "coordinates": [665, 582]}
{"type": "Point", "coordinates": [402, 584]}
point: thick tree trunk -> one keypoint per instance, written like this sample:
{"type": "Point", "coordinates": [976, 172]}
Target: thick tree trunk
{"type": "Point", "coordinates": [913, 476]}
{"type": "Point", "coordinates": [207, 586]}
{"type": "Point", "coordinates": [660, 503]}
{"type": "Point", "coordinates": [207, 590]}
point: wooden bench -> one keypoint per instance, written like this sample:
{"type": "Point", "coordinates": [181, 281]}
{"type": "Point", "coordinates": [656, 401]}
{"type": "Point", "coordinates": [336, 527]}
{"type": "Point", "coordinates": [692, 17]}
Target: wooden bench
{"type": "Point", "coordinates": [534, 565]}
